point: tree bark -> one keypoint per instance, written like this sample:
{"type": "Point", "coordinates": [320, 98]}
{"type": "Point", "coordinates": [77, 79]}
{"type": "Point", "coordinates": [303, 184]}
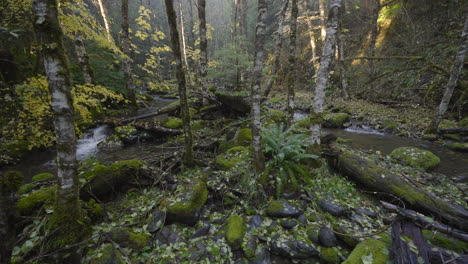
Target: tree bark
{"type": "Point", "coordinates": [184, 44]}
{"type": "Point", "coordinates": [104, 18]}
{"type": "Point", "coordinates": [258, 158]}
{"type": "Point", "coordinates": [83, 60]}
{"type": "Point", "coordinates": [369, 174]}
{"type": "Point", "coordinates": [243, 17]}
{"type": "Point", "coordinates": [67, 213]}
{"type": "Point", "coordinates": [180, 75]}
{"type": "Point", "coordinates": [292, 62]}
{"type": "Point", "coordinates": [312, 38]}
{"type": "Point", "coordinates": [453, 80]}
{"type": "Point", "coordinates": [373, 38]}
{"type": "Point", "coordinates": [126, 48]}
{"type": "Point", "coordinates": [323, 19]}
{"type": "Point", "coordinates": [277, 54]}
{"type": "Point", "coordinates": [203, 46]}
{"type": "Point", "coordinates": [324, 71]}
{"type": "Point", "coordinates": [402, 252]}
{"type": "Point", "coordinates": [341, 56]}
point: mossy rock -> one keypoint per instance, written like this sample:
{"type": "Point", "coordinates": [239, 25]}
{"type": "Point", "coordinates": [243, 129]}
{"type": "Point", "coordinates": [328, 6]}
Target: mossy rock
{"type": "Point", "coordinates": [235, 231]}
{"type": "Point", "coordinates": [370, 251]}
{"type": "Point", "coordinates": [126, 133]}
{"type": "Point", "coordinates": [28, 203]}
{"type": "Point", "coordinates": [463, 147]}
{"type": "Point", "coordinates": [26, 188]}
{"type": "Point", "coordinates": [243, 137]}
{"type": "Point", "coordinates": [42, 176]}
{"type": "Point", "coordinates": [454, 137]}
{"type": "Point", "coordinates": [418, 158]}
{"type": "Point", "coordinates": [344, 140]}
{"type": "Point", "coordinates": [10, 181]}
{"type": "Point", "coordinates": [106, 181]}
{"type": "Point", "coordinates": [283, 209]}
{"type": "Point", "coordinates": [111, 143]}
{"type": "Point", "coordinates": [335, 120]}
{"type": "Point", "coordinates": [330, 255]}
{"type": "Point", "coordinates": [173, 123]}
{"type": "Point", "coordinates": [231, 158]}
{"type": "Point", "coordinates": [108, 255]}
{"type": "Point", "coordinates": [430, 137]}
{"type": "Point", "coordinates": [185, 207]}
{"type": "Point", "coordinates": [444, 241]}
{"type": "Point", "coordinates": [128, 239]}
{"type": "Point", "coordinates": [389, 126]}
{"type": "Point", "coordinates": [94, 210]}
{"type": "Point", "coordinates": [275, 117]}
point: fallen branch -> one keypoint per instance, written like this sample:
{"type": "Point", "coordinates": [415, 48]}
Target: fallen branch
{"type": "Point", "coordinates": [454, 130]}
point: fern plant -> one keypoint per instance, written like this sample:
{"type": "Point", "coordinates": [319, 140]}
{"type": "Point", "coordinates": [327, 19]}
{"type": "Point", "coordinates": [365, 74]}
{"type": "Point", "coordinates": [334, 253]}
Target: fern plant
{"type": "Point", "coordinates": [285, 150]}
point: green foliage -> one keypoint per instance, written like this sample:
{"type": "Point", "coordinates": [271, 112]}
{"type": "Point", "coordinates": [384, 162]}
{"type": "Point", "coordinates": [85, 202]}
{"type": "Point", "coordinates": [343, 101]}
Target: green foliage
{"type": "Point", "coordinates": [42, 176]}
{"type": "Point", "coordinates": [285, 151]}
{"type": "Point", "coordinates": [173, 122]}
{"type": "Point", "coordinates": [28, 203]}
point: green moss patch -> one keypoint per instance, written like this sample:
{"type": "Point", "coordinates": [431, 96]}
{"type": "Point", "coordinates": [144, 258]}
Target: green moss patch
{"type": "Point", "coordinates": [235, 231]}
{"type": "Point", "coordinates": [444, 241]}
{"type": "Point", "coordinates": [369, 251]}
{"type": "Point", "coordinates": [173, 122]}
{"type": "Point", "coordinates": [463, 147]}
{"type": "Point", "coordinates": [231, 158]}
{"type": "Point", "coordinates": [27, 204]}
{"type": "Point", "coordinates": [191, 198]}
{"type": "Point", "coordinates": [335, 120]}
{"type": "Point", "coordinates": [42, 176]}
{"type": "Point", "coordinates": [330, 255]}
{"type": "Point", "coordinates": [418, 158]}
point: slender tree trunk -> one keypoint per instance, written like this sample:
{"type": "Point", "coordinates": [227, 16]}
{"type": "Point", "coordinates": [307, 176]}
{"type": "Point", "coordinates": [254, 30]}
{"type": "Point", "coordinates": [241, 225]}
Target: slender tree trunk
{"type": "Point", "coordinates": [292, 62]}
{"type": "Point", "coordinates": [279, 46]}
{"type": "Point", "coordinates": [373, 38]}
{"type": "Point", "coordinates": [312, 38]}
{"type": "Point", "coordinates": [323, 72]}
{"type": "Point", "coordinates": [180, 75]}
{"type": "Point", "coordinates": [243, 17]}
{"type": "Point", "coordinates": [203, 45]}
{"type": "Point", "coordinates": [258, 158]}
{"type": "Point", "coordinates": [323, 20]}
{"type": "Point", "coordinates": [236, 43]}
{"type": "Point", "coordinates": [341, 55]}
{"type": "Point", "coordinates": [191, 41]}
{"type": "Point", "coordinates": [83, 60]}
{"type": "Point", "coordinates": [126, 48]}
{"type": "Point", "coordinates": [453, 80]}
{"type": "Point", "coordinates": [67, 213]}
{"type": "Point", "coordinates": [104, 18]}
{"type": "Point", "coordinates": [184, 44]}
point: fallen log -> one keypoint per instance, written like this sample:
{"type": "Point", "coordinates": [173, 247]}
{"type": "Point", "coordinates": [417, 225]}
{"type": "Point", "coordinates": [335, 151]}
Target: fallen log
{"type": "Point", "coordinates": [414, 251]}
{"type": "Point", "coordinates": [438, 255]}
{"type": "Point", "coordinates": [454, 130]}
{"type": "Point", "coordinates": [237, 101]}
{"type": "Point", "coordinates": [172, 107]}
{"type": "Point", "coordinates": [372, 176]}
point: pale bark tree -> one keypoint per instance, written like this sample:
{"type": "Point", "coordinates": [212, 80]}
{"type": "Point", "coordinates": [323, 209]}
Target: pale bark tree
{"type": "Point", "coordinates": [278, 48]}
{"type": "Point", "coordinates": [453, 79]}
{"type": "Point", "coordinates": [324, 71]}
{"type": "Point", "coordinates": [323, 20]}
{"type": "Point", "coordinates": [67, 213]}
{"type": "Point", "coordinates": [184, 44]}
{"type": "Point", "coordinates": [104, 18]}
{"type": "Point", "coordinates": [83, 60]}
{"type": "Point", "coordinates": [203, 45]}
{"type": "Point", "coordinates": [341, 55]}
{"type": "Point", "coordinates": [182, 89]}
{"type": "Point", "coordinates": [127, 50]}
{"type": "Point", "coordinates": [292, 62]}
{"type": "Point", "coordinates": [375, 29]}
{"type": "Point", "coordinates": [310, 25]}
{"type": "Point", "coordinates": [258, 158]}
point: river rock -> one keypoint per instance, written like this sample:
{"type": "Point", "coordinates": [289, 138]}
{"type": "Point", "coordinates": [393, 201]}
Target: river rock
{"type": "Point", "coordinates": [283, 209]}
{"type": "Point", "coordinates": [255, 221]}
{"type": "Point", "coordinates": [157, 221]}
{"type": "Point", "coordinates": [418, 158]}
{"type": "Point", "coordinates": [110, 255]}
{"type": "Point", "coordinates": [367, 212]}
{"type": "Point", "coordinates": [235, 231]}
{"type": "Point", "coordinates": [370, 247]}
{"type": "Point", "coordinates": [294, 249]}
{"type": "Point", "coordinates": [202, 231]}
{"type": "Point", "coordinates": [262, 256]}
{"type": "Point", "coordinates": [168, 237]}
{"type": "Point", "coordinates": [126, 238]}
{"type": "Point", "coordinates": [289, 224]}
{"type": "Point", "coordinates": [185, 208]}
{"type": "Point", "coordinates": [335, 120]}
{"type": "Point", "coordinates": [331, 208]}
{"type": "Point", "coordinates": [326, 237]}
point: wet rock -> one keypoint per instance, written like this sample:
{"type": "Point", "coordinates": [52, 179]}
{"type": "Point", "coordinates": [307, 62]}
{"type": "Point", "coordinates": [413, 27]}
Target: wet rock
{"type": "Point", "coordinates": [255, 221]}
{"type": "Point", "coordinates": [288, 195]}
{"type": "Point", "coordinates": [250, 247]}
{"type": "Point", "coordinates": [185, 208]}
{"type": "Point", "coordinates": [167, 237]}
{"type": "Point", "coordinates": [294, 249]}
{"type": "Point", "coordinates": [335, 120]}
{"type": "Point", "coordinates": [357, 218]}
{"type": "Point", "coordinates": [302, 219]}
{"type": "Point", "coordinates": [326, 237]}
{"type": "Point", "coordinates": [346, 236]}
{"type": "Point", "coordinates": [126, 238]}
{"type": "Point", "coordinates": [364, 211]}
{"type": "Point", "coordinates": [331, 208]}
{"type": "Point", "coordinates": [157, 221]}
{"type": "Point", "coordinates": [418, 158]}
{"type": "Point", "coordinates": [262, 256]}
{"type": "Point", "coordinates": [289, 224]}
{"type": "Point", "coordinates": [283, 209]}
{"type": "Point", "coordinates": [127, 134]}
{"type": "Point", "coordinates": [202, 231]}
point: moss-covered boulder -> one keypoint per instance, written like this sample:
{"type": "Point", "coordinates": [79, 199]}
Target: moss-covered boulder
{"type": "Point", "coordinates": [369, 251]}
{"type": "Point", "coordinates": [418, 158]}
{"type": "Point", "coordinates": [173, 123]}
{"type": "Point", "coordinates": [335, 120]}
{"type": "Point", "coordinates": [231, 158]}
{"type": "Point", "coordinates": [330, 255]}
{"type": "Point", "coordinates": [282, 208]}
{"type": "Point", "coordinates": [243, 137]}
{"type": "Point", "coordinates": [235, 231]}
{"type": "Point", "coordinates": [28, 203]}
{"type": "Point", "coordinates": [126, 134]}
{"type": "Point", "coordinates": [106, 181]}
{"type": "Point", "coordinates": [462, 147]}
{"type": "Point", "coordinates": [275, 117]}
{"type": "Point", "coordinates": [42, 176]}
{"type": "Point", "coordinates": [107, 255]}
{"type": "Point", "coordinates": [389, 126]}
{"type": "Point", "coordinates": [126, 238]}
{"type": "Point", "coordinates": [444, 241]}
{"type": "Point", "coordinates": [430, 137]}
{"type": "Point", "coordinates": [185, 207]}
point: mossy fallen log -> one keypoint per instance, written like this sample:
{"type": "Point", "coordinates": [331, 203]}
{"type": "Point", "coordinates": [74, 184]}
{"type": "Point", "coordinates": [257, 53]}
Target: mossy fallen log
{"type": "Point", "coordinates": [172, 107]}
{"type": "Point", "coordinates": [237, 101]}
{"type": "Point", "coordinates": [369, 174]}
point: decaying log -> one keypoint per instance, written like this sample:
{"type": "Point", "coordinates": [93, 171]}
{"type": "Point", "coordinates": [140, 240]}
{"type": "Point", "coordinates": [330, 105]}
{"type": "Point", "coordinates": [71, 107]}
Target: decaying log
{"type": "Point", "coordinates": [234, 101]}
{"type": "Point", "coordinates": [438, 255]}
{"type": "Point", "coordinates": [165, 110]}
{"type": "Point", "coordinates": [369, 174]}
{"type": "Point", "coordinates": [408, 252]}
{"type": "Point", "coordinates": [454, 130]}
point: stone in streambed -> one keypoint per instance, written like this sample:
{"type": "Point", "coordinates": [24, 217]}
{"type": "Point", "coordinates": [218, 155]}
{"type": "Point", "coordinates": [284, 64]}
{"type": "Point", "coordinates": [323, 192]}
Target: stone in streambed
{"type": "Point", "coordinates": [185, 207]}
{"type": "Point", "coordinates": [235, 231]}
{"type": "Point", "coordinates": [418, 158]}
{"type": "Point", "coordinates": [283, 209]}
{"type": "Point", "coordinates": [331, 208]}
{"type": "Point", "coordinates": [326, 237]}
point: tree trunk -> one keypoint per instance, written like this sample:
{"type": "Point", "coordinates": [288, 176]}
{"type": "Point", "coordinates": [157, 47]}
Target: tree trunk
{"type": "Point", "coordinates": [258, 158]}
{"type": "Point", "coordinates": [292, 62]}
{"type": "Point", "coordinates": [184, 44]}
{"type": "Point", "coordinates": [375, 178]}
{"type": "Point", "coordinates": [323, 23]}
{"type": "Point", "coordinates": [191, 41]}
{"type": "Point", "coordinates": [203, 45]}
{"type": "Point", "coordinates": [243, 17]}
{"type": "Point", "coordinates": [324, 71]}
{"type": "Point", "coordinates": [277, 54]}
{"type": "Point", "coordinates": [83, 60]}
{"type": "Point", "coordinates": [341, 56]}
{"type": "Point", "coordinates": [104, 18]}
{"type": "Point", "coordinates": [126, 48]}
{"type": "Point", "coordinates": [236, 43]}
{"type": "Point", "coordinates": [406, 252]}
{"type": "Point", "coordinates": [180, 75]}
{"type": "Point", "coordinates": [453, 80]}
{"type": "Point", "coordinates": [310, 24]}
{"type": "Point", "coordinates": [67, 213]}
{"type": "Point", "coordinates": [373, 38]}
